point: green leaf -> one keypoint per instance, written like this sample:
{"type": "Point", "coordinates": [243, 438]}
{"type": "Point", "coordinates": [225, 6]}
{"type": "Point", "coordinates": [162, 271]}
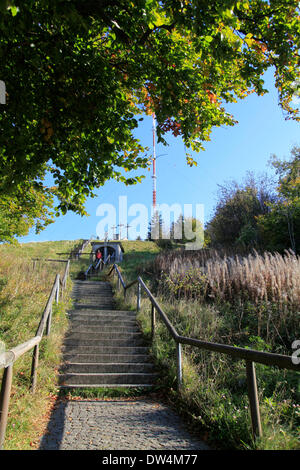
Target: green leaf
{"type": "Point", "coordinates": [14, 10]}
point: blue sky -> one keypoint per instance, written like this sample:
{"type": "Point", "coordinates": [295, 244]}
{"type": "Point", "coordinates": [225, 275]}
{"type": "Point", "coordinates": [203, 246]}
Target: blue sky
{"type": "Point", "coordinates": [232, 151]}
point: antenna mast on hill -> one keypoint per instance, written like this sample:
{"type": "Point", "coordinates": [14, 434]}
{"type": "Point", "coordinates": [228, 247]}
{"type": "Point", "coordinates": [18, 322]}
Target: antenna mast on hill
{"type": "Point", "coordinates": [154, 164]}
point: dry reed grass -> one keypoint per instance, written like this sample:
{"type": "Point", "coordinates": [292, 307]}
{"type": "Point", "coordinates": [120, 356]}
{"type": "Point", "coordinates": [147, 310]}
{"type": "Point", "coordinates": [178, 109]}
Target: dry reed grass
{"type": "Point", "coordinates": [268, 277]}
{"type": "Point", "coordinates": [24, 290]}
{"type": "Point", "coordinates": [269, 282]}
{"type": "Point", "coordinates": [256, 277]}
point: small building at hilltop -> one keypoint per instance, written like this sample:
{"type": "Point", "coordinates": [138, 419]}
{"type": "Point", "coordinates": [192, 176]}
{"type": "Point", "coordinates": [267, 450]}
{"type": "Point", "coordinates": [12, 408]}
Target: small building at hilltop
{"type": "Point", "coordinates": [112, 248]}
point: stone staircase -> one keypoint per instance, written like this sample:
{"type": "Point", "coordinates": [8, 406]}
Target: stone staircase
{"type": "Point", "coordinates": [103, 347]}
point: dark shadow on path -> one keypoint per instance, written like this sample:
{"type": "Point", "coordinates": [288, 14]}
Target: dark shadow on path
{"type": "Point", "coordinates": [54, 434]}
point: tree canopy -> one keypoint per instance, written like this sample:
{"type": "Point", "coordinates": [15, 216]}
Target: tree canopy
{"type": "Point", "coordinates": [234, 223]}
{"type": "Point", "coordinates": [80, 74]}
{"type": "Point", "coordinates": [260, 213]}
{"type": "Point", "coordinates": [280, 226]}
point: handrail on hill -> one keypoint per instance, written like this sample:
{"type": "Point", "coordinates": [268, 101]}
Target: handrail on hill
{"type": "Point", "coordinates": [78, 250]}
{"type": "Point", "coordinates": [249, 355]}
{"type": "Point", "coordinates": [8, 358]}
{"type": "Point", "coordinates": [98, 266]}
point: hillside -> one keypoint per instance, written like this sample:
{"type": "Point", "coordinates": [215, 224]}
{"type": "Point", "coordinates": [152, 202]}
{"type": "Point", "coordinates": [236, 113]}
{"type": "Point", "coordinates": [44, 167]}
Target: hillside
{"type": "Point", "coordinates": [24, 290]}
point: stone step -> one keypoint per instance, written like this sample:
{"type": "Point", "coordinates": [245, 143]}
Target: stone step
{"type": "Point", "coordinates": [92, 298]}
{"type": "Point", "coordinates": [99, 310]}
{"type": "Point", "coordinates": [94, 302]}
{"type": "Point", "coordinates": [92, 293]}
{"type": "Point", "coordinates": [80, 282]}
{"type": "Point", "coordinates": [91, 285]}
{"type": "Point", "coordinates": [106, 358]}
{"type": "Point", "coordinates": [116, 386]}
{"type": "Point", "coordinates": [107, 378]}
{"type": "Point", "coordinates": [107, 367]}
{"type": "Point", "coordinates": [112, 350]}
{"type": "Point", "coordinates": [82, 299]}
{"type": "Point", "coordinates": [94, 286]}
{"type": "Point", "coordinates": [105, 313]}
{"type": "Point", "coordinates": [82, 302]}
{"type": "Point", "coordinates": [124, 342]}
{"type": "Point", "coordinates": [103, 335]}
{"type": "Point", "coordinates": [100, 328]}
{"type": "Point", "coordinates": [115, 325]}
{"type": "Point", "coordinates": [103, 318]}
{"type": "Point", "coordinates": [78, 296]}
{"type": "Point", "coordinates": [96, 307]}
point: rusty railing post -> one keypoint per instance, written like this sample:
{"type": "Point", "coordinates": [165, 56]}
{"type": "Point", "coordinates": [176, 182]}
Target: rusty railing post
{"type": "Point", "coordinates": [179, 365]}
{"type": "Point", "coordinates": [153, 321]}
{"type": "Point", "coordinates": [138, 297]}
{"type": "Point", "coordinates": [34, 366]}
{"type": "Point", "coordinates": [57, 289]}
{"type": "Point", "coordinates": [49, 319]}
{"type": "Point", "coordinates": [253, 399]}
{"type": "Point", "coordinates": [4, 401]}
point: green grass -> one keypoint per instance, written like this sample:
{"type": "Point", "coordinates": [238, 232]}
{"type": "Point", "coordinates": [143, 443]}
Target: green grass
{"type": "Point", "coordinates": [136, 256]}
{"type": "Point", "coordinates": [56, 249]}
{"type": "Point", "coordinates": [102, 393]}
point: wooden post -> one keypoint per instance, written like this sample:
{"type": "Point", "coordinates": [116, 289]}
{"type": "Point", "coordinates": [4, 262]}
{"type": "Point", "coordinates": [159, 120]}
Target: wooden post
{"type": "Point", "coordinates": [138, 299]}
{"type": "Point", "coordinates": [62, 291]}
{"type": "Point", "coordinates": [4, 401]}
{"type": "Point", "coordinates": [49, 319]}
{"type": "Point", "coordinates": [153, 321]}
{"type": "Point", "coordinates": [179, 365]}
{"type": "Point", "coordinates": [253, 399]}
{"type": "Point", "coordinates": [57, 290]}
{"type": "Point", "coordinates": [34, 366]}
{"type": "Point", "coordinates": [66, 274]}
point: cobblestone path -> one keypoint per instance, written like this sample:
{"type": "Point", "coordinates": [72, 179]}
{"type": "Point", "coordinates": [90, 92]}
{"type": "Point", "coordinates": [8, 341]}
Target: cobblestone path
{"type": "Point", "coordinates": [117, 425]}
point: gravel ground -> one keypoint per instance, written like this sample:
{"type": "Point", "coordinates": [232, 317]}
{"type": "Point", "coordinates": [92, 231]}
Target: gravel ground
{"type": "Point", "coordinates": [117, 425]}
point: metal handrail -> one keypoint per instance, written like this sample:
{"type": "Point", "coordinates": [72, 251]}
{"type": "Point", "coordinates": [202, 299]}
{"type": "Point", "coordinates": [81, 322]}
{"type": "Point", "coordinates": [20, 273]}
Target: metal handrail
{"type": "Point", "coordinates": [77, 251]}
{"type": "Point", "coordinates": [99, 263]}
{"type": "Point", "coordinates": [251, 356]}
{"type": "Point", "coordinates": [8, 358]}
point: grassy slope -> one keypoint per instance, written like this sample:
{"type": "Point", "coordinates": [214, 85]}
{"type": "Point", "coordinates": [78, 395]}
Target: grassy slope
{"type": "Point", "coordinates": [24, 290]}
{"type": "Point", "coordinates": [136, 256]}
{"type": "Point", "coordinates": [40, 250]}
